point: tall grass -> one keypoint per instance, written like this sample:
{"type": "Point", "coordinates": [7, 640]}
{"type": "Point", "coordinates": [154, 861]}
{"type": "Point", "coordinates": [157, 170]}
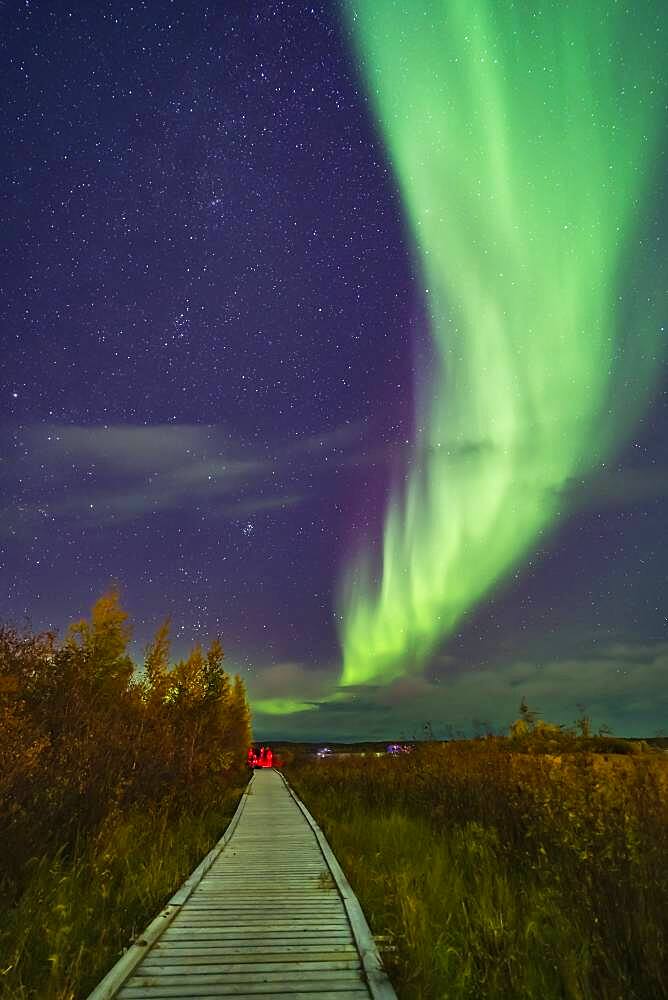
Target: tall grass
{"type": "Point", "coordinates": [79, 910]}
{"type": "Point", "coordinates": [490, 874]}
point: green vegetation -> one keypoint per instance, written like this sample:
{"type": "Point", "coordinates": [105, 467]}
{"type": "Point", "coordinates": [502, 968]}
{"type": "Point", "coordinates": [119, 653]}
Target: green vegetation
{"type": "Point", "coordinates": [493, 869]}
{"type": "Point", "coordinates": [78, 913]}
{"type": "Point", "coordinates": [112, 788]}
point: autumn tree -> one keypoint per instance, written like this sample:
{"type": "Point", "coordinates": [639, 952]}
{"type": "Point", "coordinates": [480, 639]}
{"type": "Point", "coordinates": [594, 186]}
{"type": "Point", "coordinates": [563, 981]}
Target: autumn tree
{"type": "Point", "coordinates": [156, 664]}
{"type": "Point", "coordinates": [82, 733]}
{"type": "Point", "coordinates": [102, 643]}
{"type": "Point", "coordinates": [240, 734]}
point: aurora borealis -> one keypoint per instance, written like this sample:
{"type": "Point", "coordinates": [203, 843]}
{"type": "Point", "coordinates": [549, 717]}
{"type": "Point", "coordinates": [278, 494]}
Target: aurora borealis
{"type": "Point", "coordinates": [337, 330]}
{"type": "Point", "coordinates": [523, 144]}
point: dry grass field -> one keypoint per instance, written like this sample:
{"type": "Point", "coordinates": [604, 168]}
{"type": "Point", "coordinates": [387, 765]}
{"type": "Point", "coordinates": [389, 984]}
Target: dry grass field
{"type": "Point", "coordinates": [493, 869]}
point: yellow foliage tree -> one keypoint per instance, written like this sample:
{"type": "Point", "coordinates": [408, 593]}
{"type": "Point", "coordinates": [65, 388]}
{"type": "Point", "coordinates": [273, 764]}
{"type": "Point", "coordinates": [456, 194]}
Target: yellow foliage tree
{"type": "Point", "coordinates": [156, 665]}
{"type": "Point", "coordinates": [104, 640]}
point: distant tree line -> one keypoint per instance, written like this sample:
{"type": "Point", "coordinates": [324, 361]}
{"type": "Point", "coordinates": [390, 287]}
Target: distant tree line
{"type": "Point", "coordinates": [83, 736]}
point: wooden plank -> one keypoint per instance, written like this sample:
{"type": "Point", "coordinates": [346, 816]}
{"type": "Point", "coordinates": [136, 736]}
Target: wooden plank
{"type": "Point", "coordinates": [286, 907]}
{"type": "Point", "coordinates": [269, 957]}
{"type": "Point", "coordinates": [204, 953]}
{"type": "Point", "coordinates": [308, 877]}
{"type": "Point", "coordinates": [224, 905]}
{"type": "Point", "coordinates": [249, 947]}
{"type": "Point", "coordinates": [247, 924]}
{"type": "Point", "coordinates": [266, 930]}
{"type": "Point", "coordinates": [155, 969]}
{"type": "Point", "coordinates": [186, 933]}
{"type": "Point", "coordinates": [288, 987]}
{"type": "Point", "coordinates": [282, 934]}
{"type": "Point", "coordinates": [217, 914]}
{"type": "Point", "coordinates": [334, 994]}
{"type": "Point", "coordinates": [248, 977]}
{"type": "Point", "coordinates": [265, 918]}
{"type": "Point", "coordinates": [203, 903]}
{"type": "Point", "coordinates": [260, 921]}
{"type": "Point", "coordinates": [263, 923]}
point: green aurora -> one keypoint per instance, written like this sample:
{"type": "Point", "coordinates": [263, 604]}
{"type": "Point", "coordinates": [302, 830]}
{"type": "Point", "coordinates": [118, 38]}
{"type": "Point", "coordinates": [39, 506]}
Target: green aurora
{"type": "Point", "coordinates": [523, 139]}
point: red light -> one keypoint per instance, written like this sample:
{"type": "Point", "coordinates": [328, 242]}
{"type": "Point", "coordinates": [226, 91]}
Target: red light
{"type": "Point", "coordinates": [265, 758]}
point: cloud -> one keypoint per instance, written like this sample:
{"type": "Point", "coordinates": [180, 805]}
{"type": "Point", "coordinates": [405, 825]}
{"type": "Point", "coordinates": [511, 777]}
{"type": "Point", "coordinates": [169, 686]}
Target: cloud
{"type": "Point", "coordinates": [617, 488]}
{"type": "Point", "coordinates": [288, 688]}
{"type": "Point", "coordinates": [622, 685]}
{"type": "Point", "coordinates": [255, 505]}
{"type": "Point", "coordinates": [119, 473]}
{"type": "Point", "coordinates": [289, 679]}
{"type": "Point", "coordinates": [124, 449]}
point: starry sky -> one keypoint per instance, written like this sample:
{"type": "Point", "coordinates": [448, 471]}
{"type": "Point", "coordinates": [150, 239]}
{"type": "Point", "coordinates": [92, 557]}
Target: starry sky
{"type": "Point", "coordinates": [214, 330]}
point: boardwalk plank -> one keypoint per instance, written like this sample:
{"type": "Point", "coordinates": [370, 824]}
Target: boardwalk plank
{"type": "Point", "coordinates": [259, 922]}
{"type": "Point", "coordinates": [248, 978]}
{"type": "Point", "coordinates": [203, 954]}
{"type": "Point", "coordinates": [287, 987]}
{"type": "Point", "coordinates": [258, 933]}
{"type": "Point", "coordinates": [264, 916]}
{"type": "Point", "coordinates": [153, 969]}
{"type": "Point", "coordinates": [332, 994]}
{"type": "Point", "coordinates": [252, 928]}
{"type": "Point", "coordinates": [176, 948]}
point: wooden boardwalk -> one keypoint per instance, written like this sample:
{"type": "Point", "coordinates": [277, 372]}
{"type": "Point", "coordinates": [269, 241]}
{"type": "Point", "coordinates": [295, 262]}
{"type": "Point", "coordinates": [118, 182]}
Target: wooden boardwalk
{"type": "Point", "coordinates": [267, 914]}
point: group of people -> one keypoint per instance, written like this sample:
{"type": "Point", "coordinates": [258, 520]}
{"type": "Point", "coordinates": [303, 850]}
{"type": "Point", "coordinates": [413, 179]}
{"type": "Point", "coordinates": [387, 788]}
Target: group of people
{"type": "Point", "coordinates": [265, 757]}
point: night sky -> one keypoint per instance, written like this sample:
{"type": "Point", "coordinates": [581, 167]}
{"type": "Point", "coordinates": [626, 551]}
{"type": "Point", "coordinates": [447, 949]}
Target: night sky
{"type": "Point", "coordinates": [215, 353]}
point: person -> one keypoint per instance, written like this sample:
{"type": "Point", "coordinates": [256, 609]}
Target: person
{"type": "Point", "coordinates": [268, 758]}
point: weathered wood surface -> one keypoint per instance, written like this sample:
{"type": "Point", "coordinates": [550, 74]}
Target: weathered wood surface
{"type": "Point", "coordinates": [268, 914]}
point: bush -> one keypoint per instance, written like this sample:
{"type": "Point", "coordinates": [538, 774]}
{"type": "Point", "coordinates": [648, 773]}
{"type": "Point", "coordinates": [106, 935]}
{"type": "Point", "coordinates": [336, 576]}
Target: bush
{"type": "Point", "coordinates": [112, 786]}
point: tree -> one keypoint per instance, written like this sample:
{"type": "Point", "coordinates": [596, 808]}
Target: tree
{"type": "Point", "coordinates": [526, 723]}
{"type": "Point", "coordinates": [583, 723]}
{"type": "Point", "coordinates": [216, 681]}
{"type": "Point", "coordinates": [240, 733]}
{"type": "Point", "coordinates": [156, 664]}
{"type": "Point", "coordinates": [103, 641]}
{"type": "Point", "coordinates": [79, 737]}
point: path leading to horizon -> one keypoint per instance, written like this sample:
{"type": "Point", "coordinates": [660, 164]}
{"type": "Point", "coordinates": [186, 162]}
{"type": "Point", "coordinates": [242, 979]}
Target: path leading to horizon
{"type": "Point", "coordinates": [268, 914]}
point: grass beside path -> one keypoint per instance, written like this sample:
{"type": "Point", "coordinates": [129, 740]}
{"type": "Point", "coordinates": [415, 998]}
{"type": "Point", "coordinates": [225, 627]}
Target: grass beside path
{"type": "Point", "coordinates": [487, 876]}
{"type": "Point", "coordinates": [78, 914]}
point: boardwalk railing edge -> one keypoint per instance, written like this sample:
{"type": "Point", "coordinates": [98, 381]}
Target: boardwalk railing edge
{"type": "Point", "coordinates": [378, 981]}
{"type": "Point", "coordinates": [108, 987]}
